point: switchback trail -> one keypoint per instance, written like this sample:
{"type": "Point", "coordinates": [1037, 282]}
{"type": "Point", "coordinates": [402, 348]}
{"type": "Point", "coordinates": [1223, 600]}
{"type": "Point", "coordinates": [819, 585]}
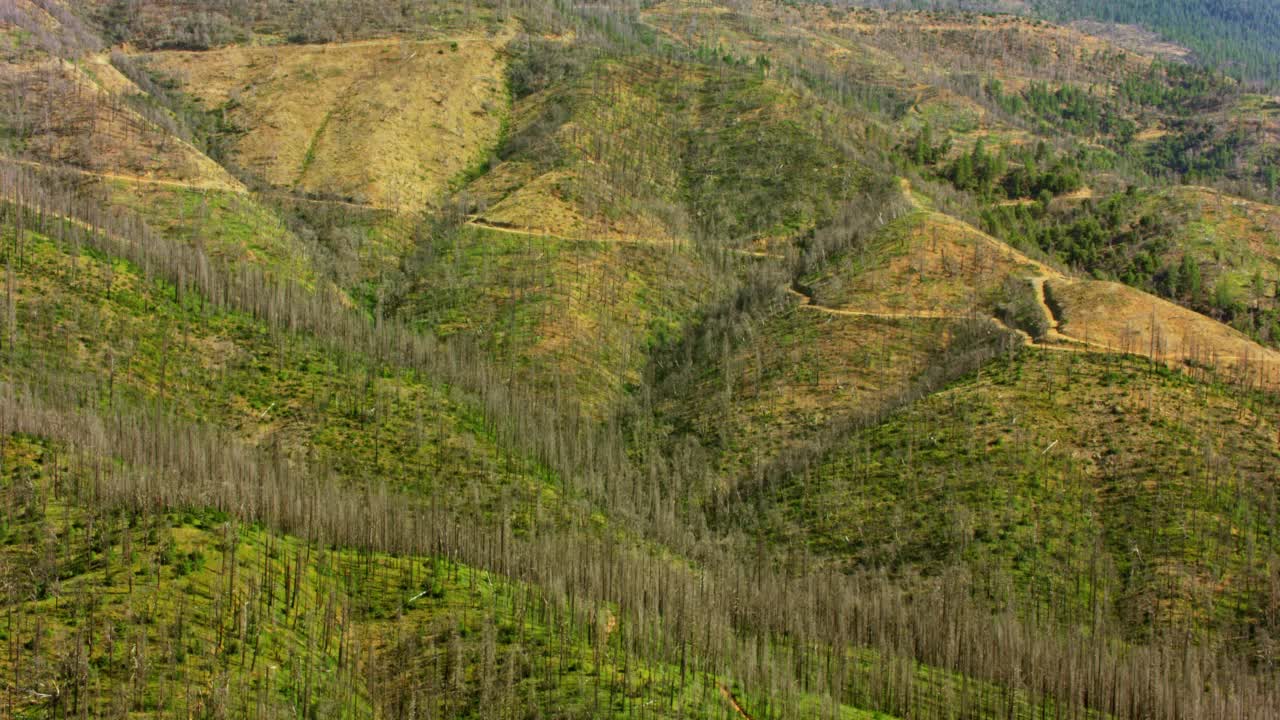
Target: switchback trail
{"type": "Point", "coordinates": [806, 302]}
{"type": "Point", "coordinates": [757, 254]}
{"type": "Point", "coordinates": [483, 224]}
{"type": "Point", "coordinates": [1054, 332]}
{"type": "Point", "coordinates": [1051, 320]}
{"type": "Point", "coordinates": [1054, 340]}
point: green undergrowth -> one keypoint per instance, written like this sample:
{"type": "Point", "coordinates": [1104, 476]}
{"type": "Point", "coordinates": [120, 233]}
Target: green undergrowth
{"type": "Point", "coordinates": [1107, 492]}
{"type": "Point", "coordinates": [765, 160]}
{"type": "Point", "coordinates": [833, 279]}
{"type": "Point", "coordinates": [577, 314]}
{"type": "Point", "coordinates": [229, 226]}
{"type": "Point", "coordinates": [359, 249]}
{"type": "Point", "coordinates": [803, 370]}
{"type": "Point", "coordinates": [154, 613]}
{"type": "Point", "coordinates": [594, 146]}
{"type": "Point", "coordinates": [111, 612]}
{"type": "Point", "coordinates": [81, 320]}
{"type": "Point", "coordinates": [728, 155]}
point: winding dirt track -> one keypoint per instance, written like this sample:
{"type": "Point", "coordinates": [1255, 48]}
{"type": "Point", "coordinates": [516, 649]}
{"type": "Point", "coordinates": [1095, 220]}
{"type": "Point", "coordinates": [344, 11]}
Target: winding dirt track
{"type": "Point", "coordinates": [806, 303]}
{"type": "Point", "coordinates": [1054, 339]}
{"type": "Point", "coordinates": [136, 179]}
{"type": "Point", "coordinates": [1055, 333]}
{"type": "Point", "coordinates": [181, 184]}
{"type": "Point", "coordinates": [483, 224]}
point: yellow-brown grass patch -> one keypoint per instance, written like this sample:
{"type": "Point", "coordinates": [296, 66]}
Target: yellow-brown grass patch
{"type": "Point", "coordinates": [539, 206]}
{"type": "Point", "coordinates": [934, 263]}
{"type": "Point", "coordinates": [384, 122]}
{"type": "Point", "coordinates": [84, 121]}
{"type": "Point", "coordinates": [1113, 316]}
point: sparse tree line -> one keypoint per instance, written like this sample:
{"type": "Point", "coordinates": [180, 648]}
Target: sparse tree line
{"type": "Point", "coordinates": [200, 26]}
{"type": "Point", "coordinates": [783, 611]}
{"type": "Point", "coordinates": [813, 626]}
{"type": "Point", "coordinates": [68, 37]}
{"type": "Point", "coordinates": [54, 112]}
{"type": "Point", "coordinates": [784, 630]}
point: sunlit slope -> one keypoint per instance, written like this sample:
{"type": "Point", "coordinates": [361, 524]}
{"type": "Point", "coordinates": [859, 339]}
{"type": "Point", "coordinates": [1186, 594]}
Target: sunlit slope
{"type": "Point", "coordinates": [99, 326]}
{"type": "Point", "coordinates": [594, 237]}
{"type": "Point", "coordinates": [1106, 491]}
{"type": "Point", "coordinates": [232, 227]}
{"type": "Point", "coordinates": [155, 612]}
{"type": "Point", "coordinates": [91, 132]}
{"type": "Point", "coordinates": [665, 151]}
{"type": "Point", "coordinates": [924, 262]}
{"type": "Point", "coordinates": [593, 152]}
{"type": "Point", "coordinates": [912, 302]}
{"type": "Point", "coordinates": [573, 318]}
{"type": "Point", "coordinates": [383, 122]}
{"type": "Point", "coordinates": [1116, 317]}
{"type": "Point", "coordinates": [1212, 252]}
{"type": "Point", "coordinates": [927, 264]}
{"type": "Point", "coordinates": [83, 116]}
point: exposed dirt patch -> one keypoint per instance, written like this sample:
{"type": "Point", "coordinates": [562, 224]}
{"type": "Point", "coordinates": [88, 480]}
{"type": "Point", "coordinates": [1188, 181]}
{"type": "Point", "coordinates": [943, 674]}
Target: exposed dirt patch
{"type": "Point", "coordinates": [1123, 319]}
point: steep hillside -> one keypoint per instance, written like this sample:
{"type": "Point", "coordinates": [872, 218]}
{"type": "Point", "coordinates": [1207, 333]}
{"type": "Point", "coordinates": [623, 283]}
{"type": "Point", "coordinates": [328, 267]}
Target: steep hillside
{"type": "Point", "coordinates": [386, 123]}
{"type": "Point", "coordinates": [72, 313]}
{"type": "Point", "coordinates": [81, 117]}
{"type": "Point", "coordinates": [1105, 491]}
{"type": "Point", "coordinates": [593, 238]}
{"type": "Point", "coordinates": [924, 262]}
{"type": "Point", "coordinates": [593, 150]}
{"type": "Point", "coordinates": [690, 359]}
{"type": "Point", "coordinates": [1204, 249]}
{"type": "Point", "coordinates": [31, 30]}
{"type": "Point", "coordinates": [1122, 319]}
{"type": "Point", "coordinates": [121, 610]}
{"type": "Point", "coordinates": [571, 317]}
{"type": "Point", "coordinates": [665, 151]}
{"type": "Point", "coordinates": [1241, 36]}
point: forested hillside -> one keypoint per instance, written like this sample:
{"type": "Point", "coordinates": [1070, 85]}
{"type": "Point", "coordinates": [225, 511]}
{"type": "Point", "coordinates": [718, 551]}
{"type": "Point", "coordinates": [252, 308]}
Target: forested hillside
{"type": "Point", "coordinates": [524, 359]}
{"type": "Point", "coordinates": [1242, 36]}
{"type": "Point", "coordinates": [1239, 37]}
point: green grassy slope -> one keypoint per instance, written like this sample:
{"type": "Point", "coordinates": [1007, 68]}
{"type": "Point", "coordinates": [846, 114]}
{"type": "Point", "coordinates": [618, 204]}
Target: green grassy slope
{"type": "Point", "coordinates": [566, 316]}
{"type": "Point", "coordinates": [82, 320]}
{"type": "Point", "coordinates": [684, 384]}
{"type": "Point", "coordinates": [111, 612]}
{"type": "Point", "coordinates": [1108, 492]}
{"type": "Point", "coordinates": [230, 227]}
